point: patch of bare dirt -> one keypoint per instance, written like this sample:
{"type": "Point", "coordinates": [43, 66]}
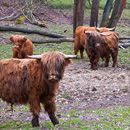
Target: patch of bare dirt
{"type": "Point", "coordinates": [94, 89]}
{"type": "Point", "coordinates": [43, 13]}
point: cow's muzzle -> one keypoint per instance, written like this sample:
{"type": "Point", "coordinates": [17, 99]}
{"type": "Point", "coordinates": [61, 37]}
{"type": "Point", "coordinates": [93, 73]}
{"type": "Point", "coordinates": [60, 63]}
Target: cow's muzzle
{"type": "Point", "coordinates": [15, 46]}
{"type": "Point", "coordinates": [53, 78]}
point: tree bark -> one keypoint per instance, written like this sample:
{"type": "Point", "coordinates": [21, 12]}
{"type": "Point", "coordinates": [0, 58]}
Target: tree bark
{"type": "Point", "coordinates": [24, 30]}
{"type": "Point", "coordinates": [115, 13]}
{"type": "Point", "coordinates": [94, 13]}
{"type": "Point", "coordinates": [54, 40]}
{"type": "Point", "coordinates": [78, 14]}
{"type": "Point", "coordinates": [106, 13]}
{"type": "Point", "coordinates": [121, 8]}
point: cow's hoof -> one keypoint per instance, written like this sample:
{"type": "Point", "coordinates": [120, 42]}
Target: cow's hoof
{"type": "Point", "coordinates": [54, 120]}
{"type": "Point", "coordinates": [35, 122]}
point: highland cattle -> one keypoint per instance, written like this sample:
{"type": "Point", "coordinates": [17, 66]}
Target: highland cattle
{"type": "Point", "coordinates": [80, 37]}
{"type": "Point", "coordinates": [22, 47]}
{"type": "Point", "coordinates": [34, 82]}
{"type": "Point", "coordinates": [101, 45]}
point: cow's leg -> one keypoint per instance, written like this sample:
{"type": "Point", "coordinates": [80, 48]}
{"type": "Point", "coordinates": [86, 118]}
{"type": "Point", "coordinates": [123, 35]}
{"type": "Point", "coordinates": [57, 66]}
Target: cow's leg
{"type": "Point", "coordinates": [114, 58]}
{"type": "Point", "coordinates": [50, 108]}
{"type": "Point", "coordinates": [76, 50]}
{"type": "Point", "coordinates": [91, 61]}
{"type": "Point", "coordinates": [15, 53]}
{"type": "Point", "coordinates": [81, 52]}
{"type": "Point", "coordinates": [35, 109]}
{"type": "Point", "coordinates": [76, 46]}
{"type": "Point", "coordinates": [107, 60]}
{"type": "Point", "coordinates": [95, 64]}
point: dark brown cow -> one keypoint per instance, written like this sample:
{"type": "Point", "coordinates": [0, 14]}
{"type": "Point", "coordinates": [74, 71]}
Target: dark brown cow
{"type": "Point", "coordinates": [22, 47]}
{"type": "Point", "coordinates": [80, 37]}
{"type": "Point", "coordinates": [33, 81]}
{"type": "Point", "coordinates": [101, 45]}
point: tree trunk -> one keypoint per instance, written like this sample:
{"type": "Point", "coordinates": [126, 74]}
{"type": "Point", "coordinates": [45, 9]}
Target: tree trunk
{"type": "Point", "coordinates": [106, 13]}
{"type": "Point", "coordinates": [78, 14]}
{"type": "Point", "coordinates": [94, 13]}
{"type": "Point", "coordinates": [53, 40]}
{"type": "Point", "coordinates": [115, 13]}
{"type": "Point", "coordinates": [121, 8]}
{"type": "Point", "coordinates": [25, 30]}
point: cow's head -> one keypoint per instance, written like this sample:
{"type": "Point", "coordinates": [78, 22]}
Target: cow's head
{"type": "Point", "coordinates": [53, 64]}
{"type": "Point", "coordinates": [18, 41]}
{"type": "Point", "coordinates": [94, 36]}
{"type": "Point", "coordinates": [94, 39]}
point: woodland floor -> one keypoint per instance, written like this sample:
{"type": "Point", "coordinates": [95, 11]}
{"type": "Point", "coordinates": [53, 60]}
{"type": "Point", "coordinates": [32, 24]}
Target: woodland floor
{"type": "Point", "coordinates": [86, 89]}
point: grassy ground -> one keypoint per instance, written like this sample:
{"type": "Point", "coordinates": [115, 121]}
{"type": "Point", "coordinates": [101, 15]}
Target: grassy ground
{"type": "Point", "coordinates": [65, 47]}
{"type": "Point", "coordinates": [114, 118]}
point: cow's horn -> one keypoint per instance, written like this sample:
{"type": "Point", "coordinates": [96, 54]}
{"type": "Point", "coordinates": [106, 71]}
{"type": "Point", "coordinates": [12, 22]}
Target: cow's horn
{"type": "Point", "coordinates": [35, 56]}
{"type": "Point", "coordinates": [97, 28]}
{"type": "Point", "coordinates": [70, 56]}
{"type": "Point", "coordinates": [111, 29]}
{"type": "Point", "coordinates": [105, 34]}
{"type": "Point", "coordinates": [88, 32]}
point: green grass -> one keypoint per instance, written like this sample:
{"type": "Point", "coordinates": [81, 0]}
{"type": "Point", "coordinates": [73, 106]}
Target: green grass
{"type": "Point", "coordinates": [66, 96]}
{"type": "Point", "coordinates": [16, 125]}
{"type": "Point", "coordinates": [110, 118]}
{"type": "Point", "coordinates": [68, 4]}
{"type": "Point", "coordinates": [59, 4]}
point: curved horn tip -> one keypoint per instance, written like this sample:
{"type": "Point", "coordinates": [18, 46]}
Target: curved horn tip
{"type": "Point", "coordinates": [35, 56]}
{"type": "Point", "coordinates": [97, 28]}
{"type": "Point", "coordinates": [111, 29]}
{"type": "Point", "coordinates": [70, 56]}
{"type": "Point", "coordinates": [86, 32]}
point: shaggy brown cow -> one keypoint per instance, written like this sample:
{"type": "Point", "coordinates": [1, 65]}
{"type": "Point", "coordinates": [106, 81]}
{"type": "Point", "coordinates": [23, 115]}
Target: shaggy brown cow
{"type": "Point", "coordinates": [101, 45]}
{"type": "Point", "coordinates": [33, 81]}
{"type": "Point", "coordinates": [80, 37]}
{"type": "Point", "coordinates": [21, 46]}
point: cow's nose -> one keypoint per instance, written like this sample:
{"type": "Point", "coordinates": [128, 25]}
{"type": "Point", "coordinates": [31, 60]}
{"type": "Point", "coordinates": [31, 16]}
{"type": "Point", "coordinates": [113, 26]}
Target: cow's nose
{"type": "Point", "coordinates": [53, 78]}
{"type": "Point", "coordinates": [15, 46]}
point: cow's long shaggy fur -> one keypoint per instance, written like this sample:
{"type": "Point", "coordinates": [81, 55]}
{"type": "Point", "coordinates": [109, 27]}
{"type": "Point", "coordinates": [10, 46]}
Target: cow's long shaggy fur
{"type": "Point", "coordinates": [98, 45]}
{"type": "Point", "coordinates": [22, 47]}
{"type": "Point", "coordinates": [33, 81]}
{"type": "Point", "coordinates": [80, 38]}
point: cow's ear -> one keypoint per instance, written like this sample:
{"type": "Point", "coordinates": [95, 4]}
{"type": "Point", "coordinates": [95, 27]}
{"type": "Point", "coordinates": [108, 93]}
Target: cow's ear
{"type": "Point", "coordinates": [68, 61]}
{"type": "Point", "coordinates": [11, 39]}
{"type": "Point", "coordinates": [24, 39]}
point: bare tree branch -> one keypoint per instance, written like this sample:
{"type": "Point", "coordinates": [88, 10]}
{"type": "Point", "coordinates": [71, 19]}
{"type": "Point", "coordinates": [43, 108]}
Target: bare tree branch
{"type": "Point", "coordinates": [124, 38]}
{"type": "Point", "coordinates": [7, 17]}
{"type": "Point", "coordinates": [53, 40]}
{"type": "Point", "coordinates": [24, 30]}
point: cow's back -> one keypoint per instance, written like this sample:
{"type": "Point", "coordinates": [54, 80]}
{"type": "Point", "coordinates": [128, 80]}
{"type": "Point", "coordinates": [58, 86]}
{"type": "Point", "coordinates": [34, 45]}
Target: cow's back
{"type": "Point", "coordinates": [111, 40]}
{"type": "Point", "coordinates": [17, 78]}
